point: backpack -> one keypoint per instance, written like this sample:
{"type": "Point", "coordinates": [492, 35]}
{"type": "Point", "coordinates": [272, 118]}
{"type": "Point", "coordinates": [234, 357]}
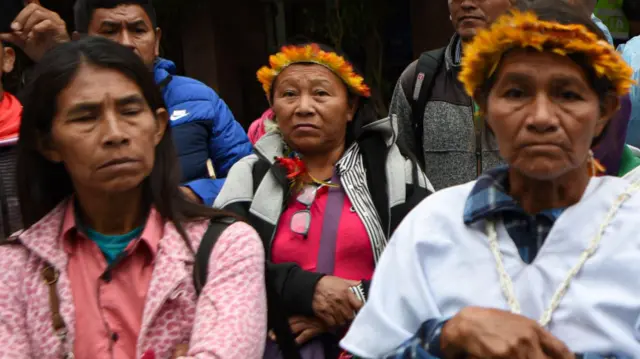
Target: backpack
{"type": "Point", "coordinates": [418, 94]}
{"type": "Point", "coordinates": [285, 338]}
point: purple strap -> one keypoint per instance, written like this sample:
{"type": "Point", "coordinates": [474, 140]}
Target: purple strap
{"type": "Point", "coordinates": [332, 213]}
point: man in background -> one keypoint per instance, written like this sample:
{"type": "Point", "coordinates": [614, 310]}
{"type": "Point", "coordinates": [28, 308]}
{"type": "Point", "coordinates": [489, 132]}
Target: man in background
{"type": "Point", "coordinates": [435, 115]}
{"type": "Point", "coordinates": [207, 137]}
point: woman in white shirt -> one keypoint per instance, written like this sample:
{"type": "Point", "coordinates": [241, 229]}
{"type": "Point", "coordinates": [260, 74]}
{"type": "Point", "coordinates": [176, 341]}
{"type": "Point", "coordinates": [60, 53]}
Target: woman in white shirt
{"type": "Point", "coordinates": [538, 259]}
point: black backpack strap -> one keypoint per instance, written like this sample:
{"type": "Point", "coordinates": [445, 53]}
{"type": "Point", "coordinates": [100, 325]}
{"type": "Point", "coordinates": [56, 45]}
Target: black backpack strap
{"type": "Point", "coordinates": [277, 316]}
{"type": "Point", "coordinates": [428, 66]}
{"type": "Point", "coordinates": [201, 266]}
{"type": "Point", "coordinates": [374, 157]}
{"type": "Point", "coordinates": [278, 321]}
{"type": "Point", "coordinates": [4, 211]}
{"type": "Point", "coordinates": [260, 169]}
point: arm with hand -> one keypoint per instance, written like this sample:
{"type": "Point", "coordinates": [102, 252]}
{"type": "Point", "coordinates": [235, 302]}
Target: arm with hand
{"type": "Point", "coordinates": [482, 333]}
{"type": "Point", "coordinates": [204, 190]}
{"type": "Point", "coordinates": [36, 30]}
{"type": "Point", "coordinates": [335, 302]}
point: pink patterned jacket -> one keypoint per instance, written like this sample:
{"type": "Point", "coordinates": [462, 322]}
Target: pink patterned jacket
{"type": "Point", "coordinates": [228, 321]}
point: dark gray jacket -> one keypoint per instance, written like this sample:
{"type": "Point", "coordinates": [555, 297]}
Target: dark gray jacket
{"type": "Point", "coordinates": [449, 138]}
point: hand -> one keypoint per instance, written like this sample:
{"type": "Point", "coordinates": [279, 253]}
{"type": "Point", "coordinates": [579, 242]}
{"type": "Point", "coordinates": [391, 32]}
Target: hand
{"type": "Point", "coordinates": [36, 30]}
{"type": "Point", "coordinates": [333, 301]}
{"type": "Point", "coordinates": [491, 333]}
{"type": "Point", "coordinates": [306, 328]}
{"type": "Point", "coordinates": [192, 196]}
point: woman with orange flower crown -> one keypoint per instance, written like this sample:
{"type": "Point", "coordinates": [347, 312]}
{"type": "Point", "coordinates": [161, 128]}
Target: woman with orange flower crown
{"type": "Point", "coordinates": [538, 259]}
{"type": "Point", "coordinates": [325, 191]}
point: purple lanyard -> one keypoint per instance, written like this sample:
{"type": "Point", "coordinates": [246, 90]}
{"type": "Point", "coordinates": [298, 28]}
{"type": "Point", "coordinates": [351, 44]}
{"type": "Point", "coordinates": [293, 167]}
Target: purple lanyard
{"type": "Point", "coordinates": [331, 221]}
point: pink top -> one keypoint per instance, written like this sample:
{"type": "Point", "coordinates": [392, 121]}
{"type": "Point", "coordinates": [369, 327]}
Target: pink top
{"type": "Point", "coordinates": [354, 258]}
{"type": "Point", "coordinates": [109, 311]}
{"type": "Point", "coordinates": [227, 320]}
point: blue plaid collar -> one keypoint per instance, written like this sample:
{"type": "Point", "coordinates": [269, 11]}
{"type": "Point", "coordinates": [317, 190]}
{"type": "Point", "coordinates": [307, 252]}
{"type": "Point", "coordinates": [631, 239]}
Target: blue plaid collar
{"type": "Point", "coordinates": [489, 198]}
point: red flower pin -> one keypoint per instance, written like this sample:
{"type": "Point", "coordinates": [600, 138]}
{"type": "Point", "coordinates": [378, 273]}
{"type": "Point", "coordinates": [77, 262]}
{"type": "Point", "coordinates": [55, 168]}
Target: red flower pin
{"type": "Point", "coordinates": [294, 166]}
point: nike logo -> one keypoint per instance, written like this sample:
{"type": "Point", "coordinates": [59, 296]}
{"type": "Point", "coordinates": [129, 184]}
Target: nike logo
{"type": "Point", "coordinates": [178, 114]}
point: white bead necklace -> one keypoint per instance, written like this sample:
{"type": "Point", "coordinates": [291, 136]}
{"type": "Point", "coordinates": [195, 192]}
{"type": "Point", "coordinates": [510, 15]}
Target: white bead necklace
{"type": "Point", "coordinates": [507, 284]}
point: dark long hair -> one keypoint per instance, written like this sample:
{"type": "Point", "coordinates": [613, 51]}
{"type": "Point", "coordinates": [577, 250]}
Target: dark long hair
{"type": "Point", "coordinates": [42, 184]}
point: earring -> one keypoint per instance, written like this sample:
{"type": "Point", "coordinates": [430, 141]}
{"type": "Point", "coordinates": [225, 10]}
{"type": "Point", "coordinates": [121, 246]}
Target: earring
{"type": "Point", "coordinates": [450, 18]}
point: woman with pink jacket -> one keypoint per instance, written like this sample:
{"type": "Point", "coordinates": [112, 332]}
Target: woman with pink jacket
{"type": "Point", "coordinates": [105, 266]}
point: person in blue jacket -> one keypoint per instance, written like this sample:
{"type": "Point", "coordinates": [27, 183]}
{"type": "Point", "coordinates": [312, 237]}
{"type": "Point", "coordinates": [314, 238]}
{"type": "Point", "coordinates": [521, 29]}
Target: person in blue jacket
{"type": "Point", "coordinates": [207, 137]}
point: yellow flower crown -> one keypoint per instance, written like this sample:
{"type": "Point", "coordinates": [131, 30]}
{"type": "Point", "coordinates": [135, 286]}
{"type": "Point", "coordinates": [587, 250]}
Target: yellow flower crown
{"type": "Point", "coordinates": [311, 53]}
{"type": "Point", "coordinates": [525, 30]}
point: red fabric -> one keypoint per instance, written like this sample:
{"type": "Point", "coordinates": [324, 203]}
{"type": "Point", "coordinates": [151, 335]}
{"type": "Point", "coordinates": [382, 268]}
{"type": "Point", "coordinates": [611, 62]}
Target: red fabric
{"type": "Point", "coordinates": [354, 258]}
{"type": "Point", "coordinates": [257, 129]}
{"type": "Point", "coordinates": [10, 115]}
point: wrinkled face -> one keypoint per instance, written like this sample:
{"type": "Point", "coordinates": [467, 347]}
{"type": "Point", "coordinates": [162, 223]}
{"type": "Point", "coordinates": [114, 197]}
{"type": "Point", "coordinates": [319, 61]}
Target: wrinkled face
{"type": "Point", "coordinates": [104, 132]}
{"type": "Point", "coordinates": [130, 26]}
{"type": "Point", "coordinates": [312, 108]}
{"type": "Point", "coordinates": [544, 113]}
{"type": "Point", "coordinates": [468, 16]}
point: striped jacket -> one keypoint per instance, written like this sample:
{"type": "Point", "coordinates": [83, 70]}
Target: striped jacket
{"type": "Point", "coordinates": [264, 204]}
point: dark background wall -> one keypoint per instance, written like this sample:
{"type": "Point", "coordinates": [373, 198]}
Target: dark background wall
{"type": "Point", "coordinates": [223, 43]}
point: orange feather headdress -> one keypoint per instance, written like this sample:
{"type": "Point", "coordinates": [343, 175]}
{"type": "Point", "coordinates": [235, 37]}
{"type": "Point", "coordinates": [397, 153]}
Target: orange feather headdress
{"type": "Point", "coordinates": [311, 53]}
{"type": "Point", "coordinates": [524, 30]}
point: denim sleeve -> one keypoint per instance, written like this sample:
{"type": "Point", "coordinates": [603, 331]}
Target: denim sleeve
{"type": "Point", "coordinates": [424, 345]}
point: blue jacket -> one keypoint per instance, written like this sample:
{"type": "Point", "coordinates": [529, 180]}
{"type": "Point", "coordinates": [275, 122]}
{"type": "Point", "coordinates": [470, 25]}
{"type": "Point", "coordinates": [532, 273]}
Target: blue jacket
{"type": "Point", "coordinates": [203, 128]}
{"type": "Point", "coordinates": [631, 54]}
